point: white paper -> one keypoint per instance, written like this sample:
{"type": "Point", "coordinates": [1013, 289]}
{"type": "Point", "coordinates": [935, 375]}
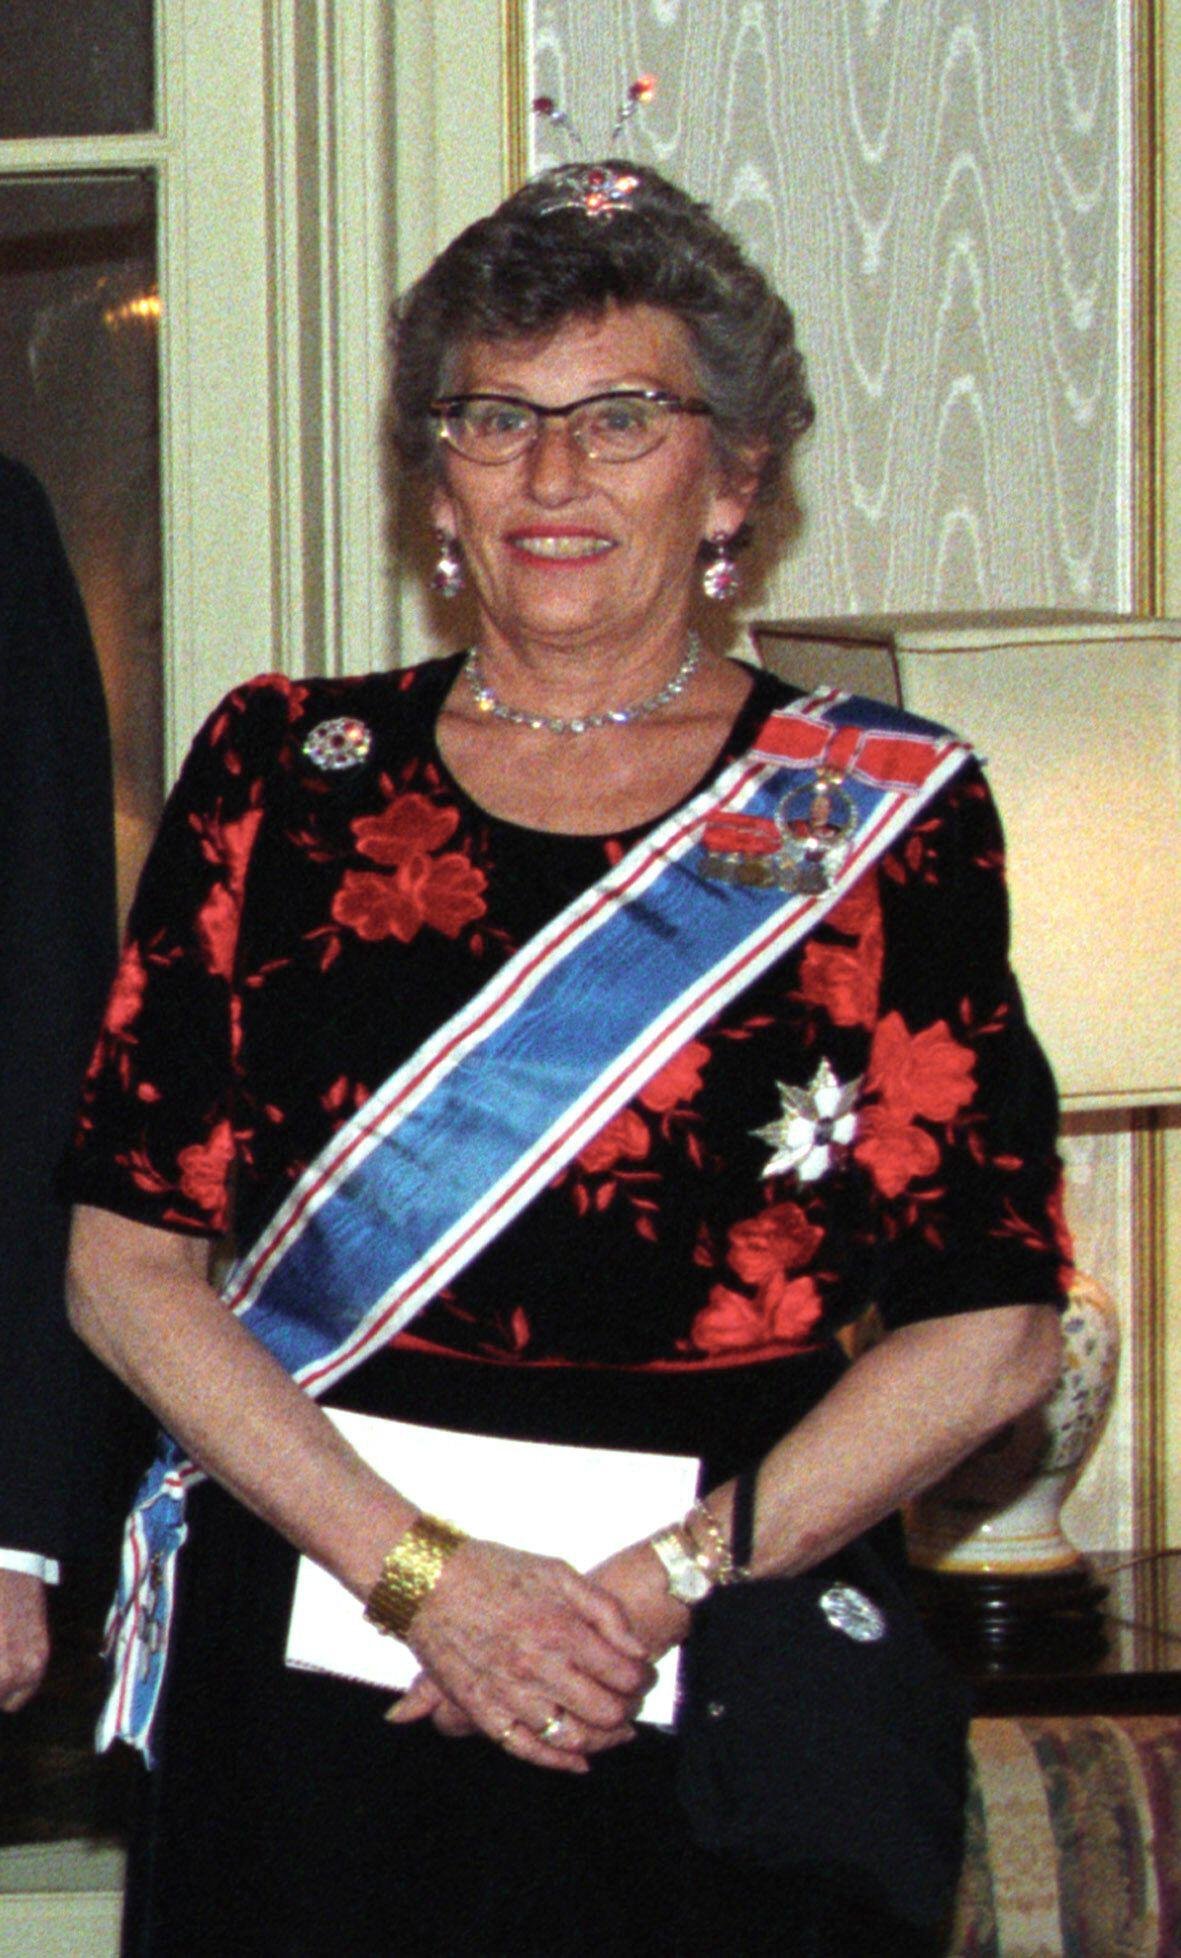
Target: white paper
{"type": "Point", "coordinates": [557, 1500]}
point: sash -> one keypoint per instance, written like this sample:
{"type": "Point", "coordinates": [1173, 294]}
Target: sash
{"type": "Point", "coordinates": [460, 1138]}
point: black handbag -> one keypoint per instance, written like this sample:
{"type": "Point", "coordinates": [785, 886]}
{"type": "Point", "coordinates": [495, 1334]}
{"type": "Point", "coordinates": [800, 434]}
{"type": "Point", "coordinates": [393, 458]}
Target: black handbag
{"type": "Point", "coordinates": [819, 1728]}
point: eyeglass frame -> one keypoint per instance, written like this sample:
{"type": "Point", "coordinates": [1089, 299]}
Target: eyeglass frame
{"type": "Point", "coordinates": [660, 397]}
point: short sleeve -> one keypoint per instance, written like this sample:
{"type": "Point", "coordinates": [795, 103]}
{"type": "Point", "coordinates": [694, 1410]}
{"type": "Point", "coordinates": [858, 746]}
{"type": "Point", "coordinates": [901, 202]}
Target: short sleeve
{"type": "Point", "coordinates": [159, 1133]}
{"type": "Point", "coordinates": [958, 1119]}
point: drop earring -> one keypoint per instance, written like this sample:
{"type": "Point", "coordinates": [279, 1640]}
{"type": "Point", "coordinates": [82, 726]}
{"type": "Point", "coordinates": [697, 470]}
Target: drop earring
{"type": "Point", "coordinates": [719, 578]}
{"type": "Point", "coordinates": [447, 576]}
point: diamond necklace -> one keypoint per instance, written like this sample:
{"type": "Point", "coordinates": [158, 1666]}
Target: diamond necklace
{"type": "Point", "coordinates": [488, 703]}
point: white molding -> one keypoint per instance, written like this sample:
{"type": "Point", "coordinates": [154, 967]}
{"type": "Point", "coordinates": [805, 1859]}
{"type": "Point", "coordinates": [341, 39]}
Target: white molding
{"type": "Point", "coordinates": [1128, 334]}
{"type": "Point", "coordinates": [1168, 52]}
{"type": "Point", "coordinates": [302, 546]}
{"type": "Point", "coordinates": [359, 280]}
{"type": "Point", "coordinates": [330, 231]}
{"type": "Point", "coordinates": [216, 434]}
{"type": "Point", "coordinates": [39, 156]}
{"type": "Point", "coordinates": [448, 169]}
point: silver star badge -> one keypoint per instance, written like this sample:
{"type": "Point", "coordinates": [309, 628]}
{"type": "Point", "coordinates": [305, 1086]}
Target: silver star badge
{"type": "Point", "coordinates": [814, 1121]}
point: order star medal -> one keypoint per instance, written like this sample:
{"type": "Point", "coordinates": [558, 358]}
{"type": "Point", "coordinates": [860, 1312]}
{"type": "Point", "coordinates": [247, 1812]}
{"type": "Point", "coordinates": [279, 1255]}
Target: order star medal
{"type": "Point", "coordinates": [814, 1121]}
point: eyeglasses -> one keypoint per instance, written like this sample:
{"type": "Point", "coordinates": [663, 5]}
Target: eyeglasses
{"type": "Point", "coordinates": [620, 426]}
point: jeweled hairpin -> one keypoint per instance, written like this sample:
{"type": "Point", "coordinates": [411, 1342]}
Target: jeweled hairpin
{"type": "Point", "coordinates": [641, 92]}
{"type": "Point", "coordinates": [547, 108]}
{"type": "Point", "coordinates": [596, 189]}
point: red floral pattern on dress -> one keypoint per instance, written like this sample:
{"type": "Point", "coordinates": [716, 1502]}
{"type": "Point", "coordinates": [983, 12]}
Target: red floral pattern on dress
{"type": "Point", "coordinates": [782, 1310]}
{"type": "Point", "coordinates": [893, 1150]}
{"type": "Point", "coordinates": [733, 1323]}
{"type": "Point", "coordinates": [928, 1076]}
{"type": "Point", "coordinates": [678, 1081]}
{"type": "Point", "coordinates": [123, 1010]}
{"type": "Point", "coordinates": [842, 981]}
{"type": "Point", "coordinates": [228, 844]}
{"type": "Point", "coordinates": [625, 1139]}
{"type": "Point", "coordinates": [445, 892]}
{"type": "Point", "coordinates": [612, 1156]}
{"type": "Point", "coordinates": [127, 993]}
{"type": "Point", "coordinates": [226, 718]}
{"type": "Point", "coordinates": [217, 930]}
{"type": "Point", "coordinates": [780, 1239]}
{"type": "Point", "coordinates": [929, 1073]}
{"type": "Point", "coordinates": [859, 907]}
{"type": "Point", "coordinates": [1051, 1235]}
{"type": "Point", "coordinates": [917, 856]}
{"type": "Point", "coordinates": [143, 1172]}
{"type": "Point", "coordinates": [845, 980]}
{"type": "Point", "coordinates": [409, 826]}
{"type": "Point", "coordinates": [205, 1170]}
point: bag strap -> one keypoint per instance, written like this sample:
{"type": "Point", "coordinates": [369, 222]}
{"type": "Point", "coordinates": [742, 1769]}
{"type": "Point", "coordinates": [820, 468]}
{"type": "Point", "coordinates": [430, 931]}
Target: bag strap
{"type": "Point", "coordinates": [859, 1560]}
{"type": "Point", "coordinates": [742, 1519]}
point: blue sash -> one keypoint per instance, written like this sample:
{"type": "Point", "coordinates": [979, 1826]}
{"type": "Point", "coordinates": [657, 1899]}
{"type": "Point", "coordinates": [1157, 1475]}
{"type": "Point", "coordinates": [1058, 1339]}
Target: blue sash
{"type": "Point", "coordinates": [460, 1138]}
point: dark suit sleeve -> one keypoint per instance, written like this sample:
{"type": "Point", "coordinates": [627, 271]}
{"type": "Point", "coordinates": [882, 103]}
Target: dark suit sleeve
{"type": "Point", "coordinates": [57, 921]}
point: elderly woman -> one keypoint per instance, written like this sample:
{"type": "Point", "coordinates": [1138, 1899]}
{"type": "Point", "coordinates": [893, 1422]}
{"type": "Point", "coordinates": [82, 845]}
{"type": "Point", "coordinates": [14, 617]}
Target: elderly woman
{"type": "Point", "coordinates": [562, 1089]}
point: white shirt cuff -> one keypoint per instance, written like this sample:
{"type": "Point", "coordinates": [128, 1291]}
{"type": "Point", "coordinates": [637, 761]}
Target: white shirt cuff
{"type": "Point", "coordinates": [46, 1568]}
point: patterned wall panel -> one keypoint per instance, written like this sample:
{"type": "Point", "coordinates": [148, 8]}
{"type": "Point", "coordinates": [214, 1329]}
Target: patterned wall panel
{"type": "Point", "coordinates": [937, 187]}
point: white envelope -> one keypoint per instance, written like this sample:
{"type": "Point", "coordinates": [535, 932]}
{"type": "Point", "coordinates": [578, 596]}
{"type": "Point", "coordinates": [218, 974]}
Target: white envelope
{"type": "Point", "coordinates": [549, 1497]}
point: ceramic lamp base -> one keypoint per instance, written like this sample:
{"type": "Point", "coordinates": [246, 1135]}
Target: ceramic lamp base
{"type": "Point", "coordinates": [1009, 1621]}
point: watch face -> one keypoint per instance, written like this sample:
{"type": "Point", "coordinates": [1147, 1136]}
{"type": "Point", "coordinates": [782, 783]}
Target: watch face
{"type": "Point", "coordinates": [687, 1582]}
{"type": "Point", "coordinates": [690, 1584]}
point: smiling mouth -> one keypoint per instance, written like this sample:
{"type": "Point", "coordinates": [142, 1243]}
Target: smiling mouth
{"type": "Point", "coordinates": [561, 548]}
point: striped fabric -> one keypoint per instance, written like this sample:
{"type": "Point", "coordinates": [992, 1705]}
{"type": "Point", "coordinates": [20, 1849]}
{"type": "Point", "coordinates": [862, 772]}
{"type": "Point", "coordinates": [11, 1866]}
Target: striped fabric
{"type": "Point", "coordinates": [1074, 1840]}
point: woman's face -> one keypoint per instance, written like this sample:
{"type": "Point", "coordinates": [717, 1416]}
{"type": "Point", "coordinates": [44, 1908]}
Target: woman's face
{"type": "Point", "coordinates": [566, 552]}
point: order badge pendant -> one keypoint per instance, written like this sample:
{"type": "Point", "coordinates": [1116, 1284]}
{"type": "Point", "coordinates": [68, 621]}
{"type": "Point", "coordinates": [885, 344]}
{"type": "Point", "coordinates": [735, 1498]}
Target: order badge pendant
{"type": "Point", "coordinates": [801, 852]}
{"type": "Point", "coordinates": [816, 821]}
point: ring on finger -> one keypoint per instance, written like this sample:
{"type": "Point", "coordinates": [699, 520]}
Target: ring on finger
{"type": "Point", "coordinates": [506, 1733]}
{"type": "Point", "coordinates": [555, 1730]}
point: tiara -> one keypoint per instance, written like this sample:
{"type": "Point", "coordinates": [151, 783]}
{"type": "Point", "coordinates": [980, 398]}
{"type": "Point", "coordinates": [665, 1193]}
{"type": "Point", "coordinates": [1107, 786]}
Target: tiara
{"type": "Point", "coordinates": [596, 189]}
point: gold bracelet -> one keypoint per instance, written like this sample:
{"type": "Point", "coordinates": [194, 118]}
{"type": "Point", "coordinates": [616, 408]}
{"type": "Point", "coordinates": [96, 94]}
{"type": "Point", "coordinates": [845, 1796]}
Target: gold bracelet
{"type": "Point", "coordinates": [410, 1572]}
{"type": "Point", "coordinates": [716, 1557]}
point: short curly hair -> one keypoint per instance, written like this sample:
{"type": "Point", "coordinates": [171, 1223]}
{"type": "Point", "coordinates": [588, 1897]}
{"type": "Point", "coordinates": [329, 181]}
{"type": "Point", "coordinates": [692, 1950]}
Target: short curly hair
{"type": "Point", "coordinates": [537, 262]}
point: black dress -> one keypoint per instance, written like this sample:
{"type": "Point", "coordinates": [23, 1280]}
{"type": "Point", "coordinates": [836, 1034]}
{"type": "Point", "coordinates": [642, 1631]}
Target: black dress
{"type": "Point", "coordinates": [299, 932]}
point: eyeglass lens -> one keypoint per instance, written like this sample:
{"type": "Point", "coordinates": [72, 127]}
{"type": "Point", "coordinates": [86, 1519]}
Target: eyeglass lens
{"type": "Point", "coordinates": [616, 427]}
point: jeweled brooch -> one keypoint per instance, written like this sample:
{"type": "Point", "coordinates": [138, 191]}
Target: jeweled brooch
{"type": "Point", "coordinates": [848, 1610]}
{"type": "Point", "coordinates": [340, 743]}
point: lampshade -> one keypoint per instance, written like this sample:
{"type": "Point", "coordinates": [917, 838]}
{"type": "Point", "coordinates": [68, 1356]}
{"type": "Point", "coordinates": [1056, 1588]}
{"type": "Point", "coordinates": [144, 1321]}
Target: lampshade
{"type": "Point", "coordinates": [1078, 717]}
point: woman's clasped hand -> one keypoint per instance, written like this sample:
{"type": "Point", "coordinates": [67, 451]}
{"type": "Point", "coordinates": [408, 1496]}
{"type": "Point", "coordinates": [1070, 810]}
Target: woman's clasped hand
{"type": "Point", "coordinates": [513, 1643]}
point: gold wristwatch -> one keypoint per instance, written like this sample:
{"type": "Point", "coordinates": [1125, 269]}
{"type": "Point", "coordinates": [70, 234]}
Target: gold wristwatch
{"type": "Point", "coordinates": [688, 1580]}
